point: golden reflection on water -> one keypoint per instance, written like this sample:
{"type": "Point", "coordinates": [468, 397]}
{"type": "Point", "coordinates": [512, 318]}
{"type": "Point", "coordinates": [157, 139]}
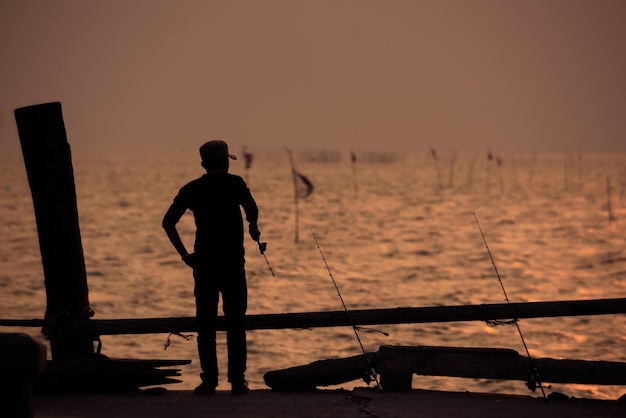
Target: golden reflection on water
{"type": "Point", "coordinates": [404, 239]}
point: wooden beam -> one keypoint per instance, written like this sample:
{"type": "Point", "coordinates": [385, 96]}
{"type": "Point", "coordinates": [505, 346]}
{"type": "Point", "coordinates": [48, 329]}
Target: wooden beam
{"type": "Point", "coordinates": [299, 320]}
{"type": "Point", "coordinates": [397, 364]}
{"type": "Point", "coordinates": [371, 316]}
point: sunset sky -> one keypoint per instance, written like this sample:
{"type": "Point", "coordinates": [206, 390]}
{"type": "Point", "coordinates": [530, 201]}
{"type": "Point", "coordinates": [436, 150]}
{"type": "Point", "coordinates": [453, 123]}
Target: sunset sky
{"type": "Point", "coordinates": [466, 75]}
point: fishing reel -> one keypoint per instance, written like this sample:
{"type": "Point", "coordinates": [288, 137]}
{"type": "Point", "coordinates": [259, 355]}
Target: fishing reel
{"type": "Point", "coordinates": [533, 381]}
{"type": "Point", "coordinates": [369, 375]}
{"type": "Point", "coordinates": [262, 248]}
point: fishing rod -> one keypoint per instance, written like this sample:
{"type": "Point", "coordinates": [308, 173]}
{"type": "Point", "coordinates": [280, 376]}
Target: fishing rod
{"type": "Point", "coordinates": [371, 373]}
{"type": "Point", "coordinates": [262, 248]}
{"type": "Point", "coordinates": [534, 379]}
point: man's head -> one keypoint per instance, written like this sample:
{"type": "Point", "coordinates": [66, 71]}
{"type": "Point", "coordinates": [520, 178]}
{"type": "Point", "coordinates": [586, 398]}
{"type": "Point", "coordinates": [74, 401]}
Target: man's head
{"type": "Point", "coordinates": [215, 156]}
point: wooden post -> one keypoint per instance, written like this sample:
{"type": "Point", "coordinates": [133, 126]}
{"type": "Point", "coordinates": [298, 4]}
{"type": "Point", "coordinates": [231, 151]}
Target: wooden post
{"type": "Point", "coordinates": [50, 175]}
{"type": "Point", "coordinates": [22, 359]}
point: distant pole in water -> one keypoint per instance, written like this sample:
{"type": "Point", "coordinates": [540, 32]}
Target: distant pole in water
{"type": "Point", "coordinates": [354, 182]}
{"type": "Point", "coordinates": [295, 193]}
{"type": "Point", "coordinates": [532, 166]}
{"type": "Point", "coordinates": [451, 171]}
{"type": "Point", "coordinates": [571, 173]}
{"type": "Point", "coordinates": [534, 380]}
{"type": "Point", "coordinates": [608, 200]}
{"type": "Point", "coordinates": [433, 153]}
{"type": "Point", "coordinates": [487, 175]}
{"type": "Point", "coordinates": [370, 373]}
{"type": "Point", "coordinates": [48, 164]}
{"type": "Point", "coordinates": [500, 179]}
{"type": "Point", "coordinates": [579, 172]}
{"type": "Point", "coordinates": [470, 172]}
{"type": "Point", "coordinates": [302, 188]}
{"type": "Point", "coordinates": [565, 181]}
{"type": "Point", "coordinates": [623, 186]}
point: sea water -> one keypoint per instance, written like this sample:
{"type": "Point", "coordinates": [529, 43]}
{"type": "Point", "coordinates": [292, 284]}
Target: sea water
{"type": "Point", "coordinates": [396, 229]}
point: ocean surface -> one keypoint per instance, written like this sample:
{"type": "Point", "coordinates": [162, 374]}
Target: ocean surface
{"type": "Point", "coordinates": [397, 230]}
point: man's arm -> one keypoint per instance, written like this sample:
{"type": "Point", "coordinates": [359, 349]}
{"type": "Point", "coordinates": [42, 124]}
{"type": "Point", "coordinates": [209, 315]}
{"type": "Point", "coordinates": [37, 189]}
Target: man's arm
{"type": "Point", "coordinates": [174, 236]}
{"type": "Point", "coordinates": [252, 214]}
{"type": "Point", "coordinates": [171, 218]}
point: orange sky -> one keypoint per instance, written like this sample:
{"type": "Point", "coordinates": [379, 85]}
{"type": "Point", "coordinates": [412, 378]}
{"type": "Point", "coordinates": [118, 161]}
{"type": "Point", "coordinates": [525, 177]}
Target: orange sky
{"type": "Point", "coordinates": [516, 75]}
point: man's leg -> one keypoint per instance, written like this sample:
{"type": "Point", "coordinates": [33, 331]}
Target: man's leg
{"type": "Point", "coordinates": [235, 303]}
{"type": "Point", "coordinates": [207, 297]}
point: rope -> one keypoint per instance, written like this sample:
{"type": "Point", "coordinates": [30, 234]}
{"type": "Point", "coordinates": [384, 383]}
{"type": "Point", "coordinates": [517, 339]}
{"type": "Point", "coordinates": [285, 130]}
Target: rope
{"type": "Point", "coordinates": [168, 342]}
{"type": "Point", "coordinates": [500, 322]}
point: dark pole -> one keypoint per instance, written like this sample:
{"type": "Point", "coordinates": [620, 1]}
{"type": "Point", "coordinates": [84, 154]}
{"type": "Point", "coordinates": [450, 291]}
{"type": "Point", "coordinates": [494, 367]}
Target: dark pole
{"type": "Point", "coordinates": [50, 175]}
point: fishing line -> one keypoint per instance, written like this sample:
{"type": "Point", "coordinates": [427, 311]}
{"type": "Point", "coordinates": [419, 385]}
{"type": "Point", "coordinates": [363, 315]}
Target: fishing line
{"type": "Point", "coordinates": [262, 248]}
{"type": "Point", "coordinates": [534, 380]}
{"type": "Point", "coordinates": [371, 373]}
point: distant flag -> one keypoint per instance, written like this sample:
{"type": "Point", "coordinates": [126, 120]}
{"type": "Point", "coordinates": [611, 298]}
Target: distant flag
{"type": "Point", "coordinates": [433, 153]}
{"type": "Point", "coordinates": [304, 187]}
{"type": "Point", "coordinates": [248, 157]}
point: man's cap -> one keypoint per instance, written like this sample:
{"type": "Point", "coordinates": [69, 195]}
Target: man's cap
{"type": "Point", "coordinates": [215, 150]}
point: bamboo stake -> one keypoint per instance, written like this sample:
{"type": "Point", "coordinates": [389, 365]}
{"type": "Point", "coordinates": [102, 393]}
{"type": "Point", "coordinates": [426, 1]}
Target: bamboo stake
{"type": "Point", "coordinates": [354, 182]}
{"type": "Point", "coordinates": [295, 194]}
{"type": "Point", "coordinates": [608, 200]}
{"type": "Point", "coordinates": [451, 170]}
{"type": "Point", "coordinates": [433, 153]}
{"type": "Point", "coordinates": [48, 162]}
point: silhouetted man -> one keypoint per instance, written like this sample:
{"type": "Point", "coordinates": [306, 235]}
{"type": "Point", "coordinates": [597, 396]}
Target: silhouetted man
{"type": "Point", "coordinates": [218, 260]}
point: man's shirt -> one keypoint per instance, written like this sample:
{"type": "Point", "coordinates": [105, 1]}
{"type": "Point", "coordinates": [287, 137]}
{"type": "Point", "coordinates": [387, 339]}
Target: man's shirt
{"type": "Point", "coordinates": [216, 200]}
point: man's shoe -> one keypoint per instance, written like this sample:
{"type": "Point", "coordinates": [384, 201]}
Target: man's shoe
{"type": "Point", "coordinates": [204, 389]}
{"type": "Point", "coordinates": [240, 388]}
